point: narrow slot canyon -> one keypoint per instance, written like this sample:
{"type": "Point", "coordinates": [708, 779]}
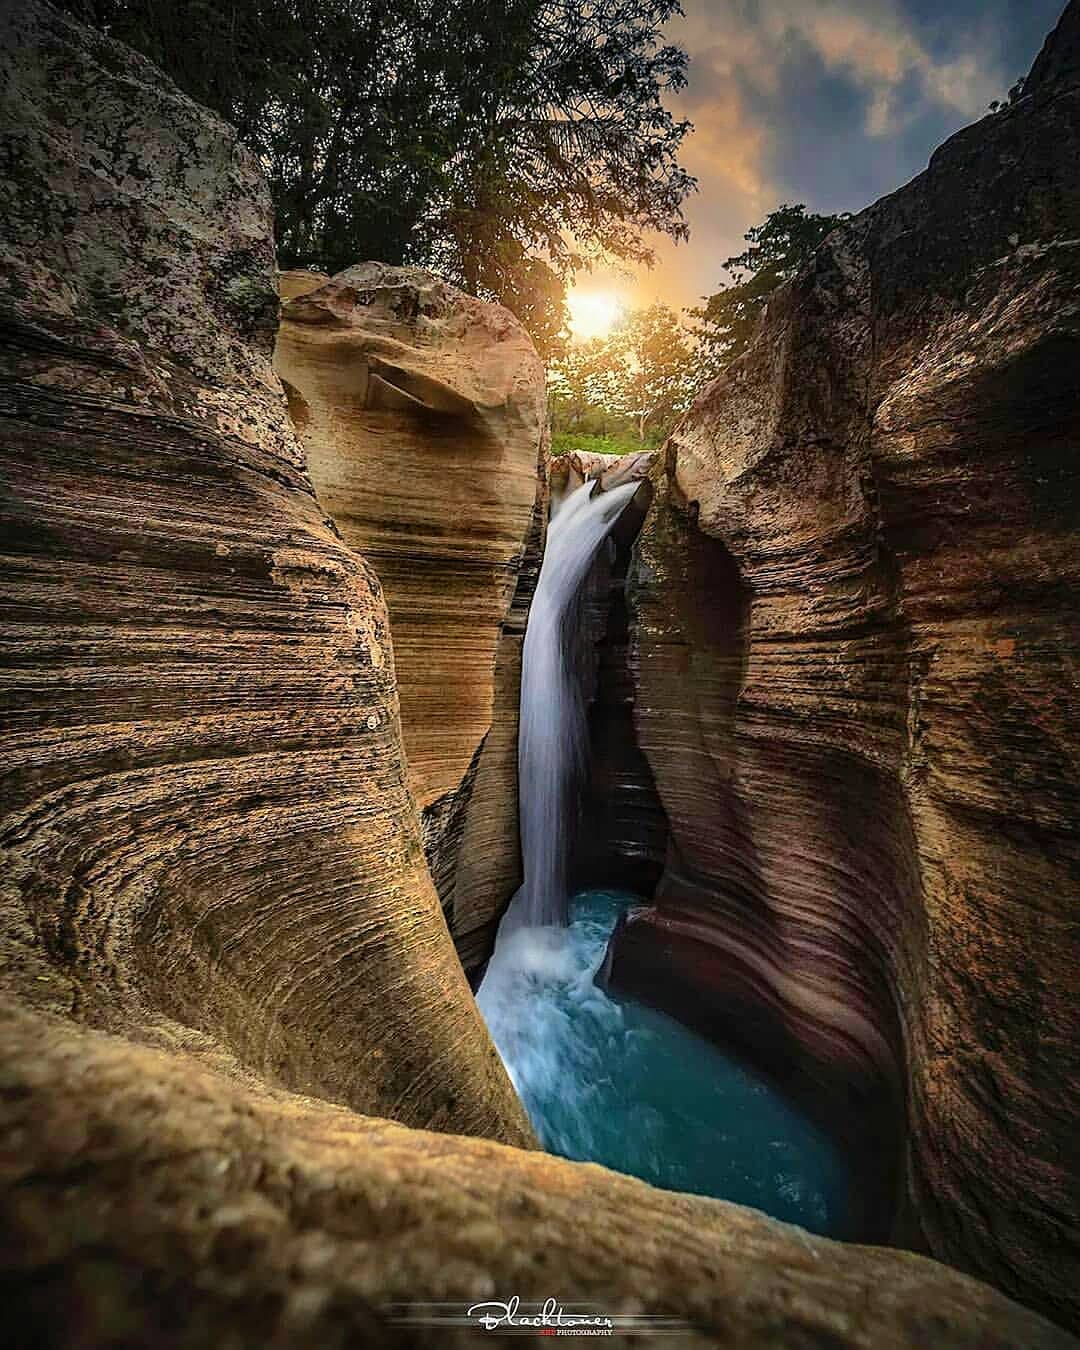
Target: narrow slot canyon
{"type": "Point", "coordinates": [596, 1022]}
{"type": "Point", "coordinates": [741, 863]}
{"type": "Point", "coordinates": [400, 816]}
{"type": "Point", "coordinates": [805, 1112]}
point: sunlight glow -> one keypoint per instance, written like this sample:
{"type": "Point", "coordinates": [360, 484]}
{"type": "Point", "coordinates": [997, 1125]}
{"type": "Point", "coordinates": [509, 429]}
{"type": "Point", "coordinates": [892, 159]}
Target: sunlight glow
{"type": "Point", "coordinates": [593, 314]}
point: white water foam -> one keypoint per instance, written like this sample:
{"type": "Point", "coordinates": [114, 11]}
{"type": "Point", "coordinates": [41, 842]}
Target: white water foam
{"type": "Point", "coordinates": [553, 734]}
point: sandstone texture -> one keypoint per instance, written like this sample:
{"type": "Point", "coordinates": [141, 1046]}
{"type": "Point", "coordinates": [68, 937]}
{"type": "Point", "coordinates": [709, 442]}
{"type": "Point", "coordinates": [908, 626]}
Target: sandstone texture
{"type": "Point", "coordinates": [147, 1200]}
{"type": "Point", "coordinates": [207, 834]}
{"type": "Point", "coordinates": [854, 625]}
{"type": "Point", "coordinates": [422, 414]}
{"type": "Point", "coordinates": [300, 281]}
{"type": "Point", "coordinates": [214, 896]}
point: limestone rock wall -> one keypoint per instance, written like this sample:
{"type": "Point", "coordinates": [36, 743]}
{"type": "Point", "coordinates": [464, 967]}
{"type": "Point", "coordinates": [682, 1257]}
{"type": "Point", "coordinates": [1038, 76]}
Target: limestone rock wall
{"type": "Point", "coordinates": [422, 415]}
{"type": "Point", "coordinates": [212, 891]}
{"type": "Point", "coordinates": [856, 638]}
{"type": "Point", "coordinates": [149, 1200]}
{"type": "Point", "coordinates": [207, 834]}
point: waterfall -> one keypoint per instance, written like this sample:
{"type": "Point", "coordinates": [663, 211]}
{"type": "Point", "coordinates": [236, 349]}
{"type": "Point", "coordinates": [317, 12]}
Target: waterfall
{"type": "Point", "coordinates": [553, 735]}
{"type": "Point", "coordinates": [604, 1079]}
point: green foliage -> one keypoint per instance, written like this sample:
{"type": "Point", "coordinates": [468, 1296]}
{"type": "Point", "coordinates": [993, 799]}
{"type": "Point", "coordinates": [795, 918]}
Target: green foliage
{"type": "Point", "coordinates": [566, 442]}
{"type": "Point", "coordinates": [654, 358]}
{"type": "Point", "coordinates": [635, 382]}
{"type": "Point", "coordinates": [641, 378]}
{"type": "Point", "coordinates": [504, 142]}
{"type": "Point", "coordinates": [779, 246]}
{"type": "Point", "coordinates": [580, 391]}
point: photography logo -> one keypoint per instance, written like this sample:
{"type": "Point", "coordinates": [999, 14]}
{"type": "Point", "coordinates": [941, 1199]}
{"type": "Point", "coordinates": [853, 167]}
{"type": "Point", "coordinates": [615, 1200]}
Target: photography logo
{"type": "Point", "coordinates": [549, 1318]}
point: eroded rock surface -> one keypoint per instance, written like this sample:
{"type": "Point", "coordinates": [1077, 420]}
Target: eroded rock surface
{"type": "Point", "coordinates": [856, 632]}
{"type": "Point", "coordinates": [207, 834]}
{"type": "Point", "coordinates": [422, 414]}
{"type": "Point", "coordinates": [148, 1200]}
{"type": "Point", "coordinates": [213, 886]}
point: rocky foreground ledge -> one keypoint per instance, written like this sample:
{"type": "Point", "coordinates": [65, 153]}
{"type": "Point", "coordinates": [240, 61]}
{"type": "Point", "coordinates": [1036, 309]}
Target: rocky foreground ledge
{"type": "Point", "coordinates": [150, 1200]}
{"type": "Point", "coordinates": [219, 940]}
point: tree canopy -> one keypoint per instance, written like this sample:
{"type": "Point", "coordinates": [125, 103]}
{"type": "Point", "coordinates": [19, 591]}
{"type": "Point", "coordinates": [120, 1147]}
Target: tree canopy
{"type": "Point", "coordinates": [778, 247]}
{"type": "Point", "coordinates": [634, 383]}
{"type": "Point", "coordinates": [504, 142]}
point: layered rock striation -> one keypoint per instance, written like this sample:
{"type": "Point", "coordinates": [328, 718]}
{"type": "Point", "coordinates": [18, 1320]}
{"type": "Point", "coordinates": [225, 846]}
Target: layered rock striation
{"type": "Point", "coordinates": [148, 1200]}
{"type": "Point", "coordinates": [213, 896]}
{"type": "Point", "coordinates": [422, 414]}
{"type": "Point", "coordinates": [208, 837]}
{"type": "Point", "coordinates": [854, 643]}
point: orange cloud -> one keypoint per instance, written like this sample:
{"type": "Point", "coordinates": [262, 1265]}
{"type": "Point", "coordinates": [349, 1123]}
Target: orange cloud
{"type": "Point", "coordinates": [738, 52]}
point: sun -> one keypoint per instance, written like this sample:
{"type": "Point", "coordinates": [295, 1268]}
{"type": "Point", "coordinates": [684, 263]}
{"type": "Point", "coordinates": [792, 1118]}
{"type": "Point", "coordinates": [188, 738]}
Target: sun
{"type": "Point", "coordinates": [593, 314]}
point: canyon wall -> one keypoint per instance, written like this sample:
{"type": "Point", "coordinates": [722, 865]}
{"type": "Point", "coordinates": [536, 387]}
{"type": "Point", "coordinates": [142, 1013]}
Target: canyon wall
{"type": "Point", "coordinates": [422, 414]}
{"type": "Point", "coordinates": [213, 896]}
{"type": "Point", "coordinates": [207, 833]}
{"type": "Point", "coordinates": [854, 644]}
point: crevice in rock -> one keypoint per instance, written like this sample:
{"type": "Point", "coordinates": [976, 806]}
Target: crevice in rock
{"type": "Point", "coordinates": [442, 828]}
{"type": "Point", "coordinates": [623, 830]}
{"type": "Point", "coordinates": [760, 937]}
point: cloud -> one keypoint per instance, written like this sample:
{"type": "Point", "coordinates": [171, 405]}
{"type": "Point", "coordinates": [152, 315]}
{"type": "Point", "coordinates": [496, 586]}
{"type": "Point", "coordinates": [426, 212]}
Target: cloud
{"type": "Point", "coordinates": [831, 102]}
{"type": "Point", "coordinates": [885, 56]}
{"type": "Point", "coordinates": [876, 44]}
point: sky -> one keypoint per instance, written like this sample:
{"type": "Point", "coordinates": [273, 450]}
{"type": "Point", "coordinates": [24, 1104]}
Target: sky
{"type": "Point", "coordinates": [828, 102]}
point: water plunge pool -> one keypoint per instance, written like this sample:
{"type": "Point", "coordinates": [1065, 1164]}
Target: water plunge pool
{"type": "Point", "coordinates": [611, 1081]}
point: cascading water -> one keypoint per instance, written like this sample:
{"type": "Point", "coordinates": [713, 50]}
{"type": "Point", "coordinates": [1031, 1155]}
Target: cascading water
{"type": "Point", "coordinates": [604, 1080]}
{"type": "Point", "coordinates": [552, 735]}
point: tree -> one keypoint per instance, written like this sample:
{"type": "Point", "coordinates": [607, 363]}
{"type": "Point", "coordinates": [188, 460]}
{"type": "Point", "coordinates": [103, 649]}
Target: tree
{"type": "Point", "coordinates": [581, 388]}
{"type": "Point", "coordinates": [779, 246]}
{"type": "Point", "coordinates": [1013, 96]}
{"type": "Point", "coordinates": [634, 382]}
{"type": "Point", "coordinates": [657, 363]}
{"type": "Point", "coordinates": [535, 292]}
{"type": "Point", "coordinates": [564, 147]}
{"type": "Point", "coordinates": [504, 142]}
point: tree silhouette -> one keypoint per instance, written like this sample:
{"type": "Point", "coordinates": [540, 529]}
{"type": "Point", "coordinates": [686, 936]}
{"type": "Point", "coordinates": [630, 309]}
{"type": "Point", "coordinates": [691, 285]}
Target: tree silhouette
{"type": "Point", "coordinates": [504, 142]}
{"type": "Point", "coordinates": [778, 248]}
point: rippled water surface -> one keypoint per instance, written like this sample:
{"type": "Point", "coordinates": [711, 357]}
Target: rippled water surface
{"type": "Point", "coordinates": [617, 1083]}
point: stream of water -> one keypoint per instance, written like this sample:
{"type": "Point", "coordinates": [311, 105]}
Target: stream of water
{"type": "Point", "coordinates": [552, 730]}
